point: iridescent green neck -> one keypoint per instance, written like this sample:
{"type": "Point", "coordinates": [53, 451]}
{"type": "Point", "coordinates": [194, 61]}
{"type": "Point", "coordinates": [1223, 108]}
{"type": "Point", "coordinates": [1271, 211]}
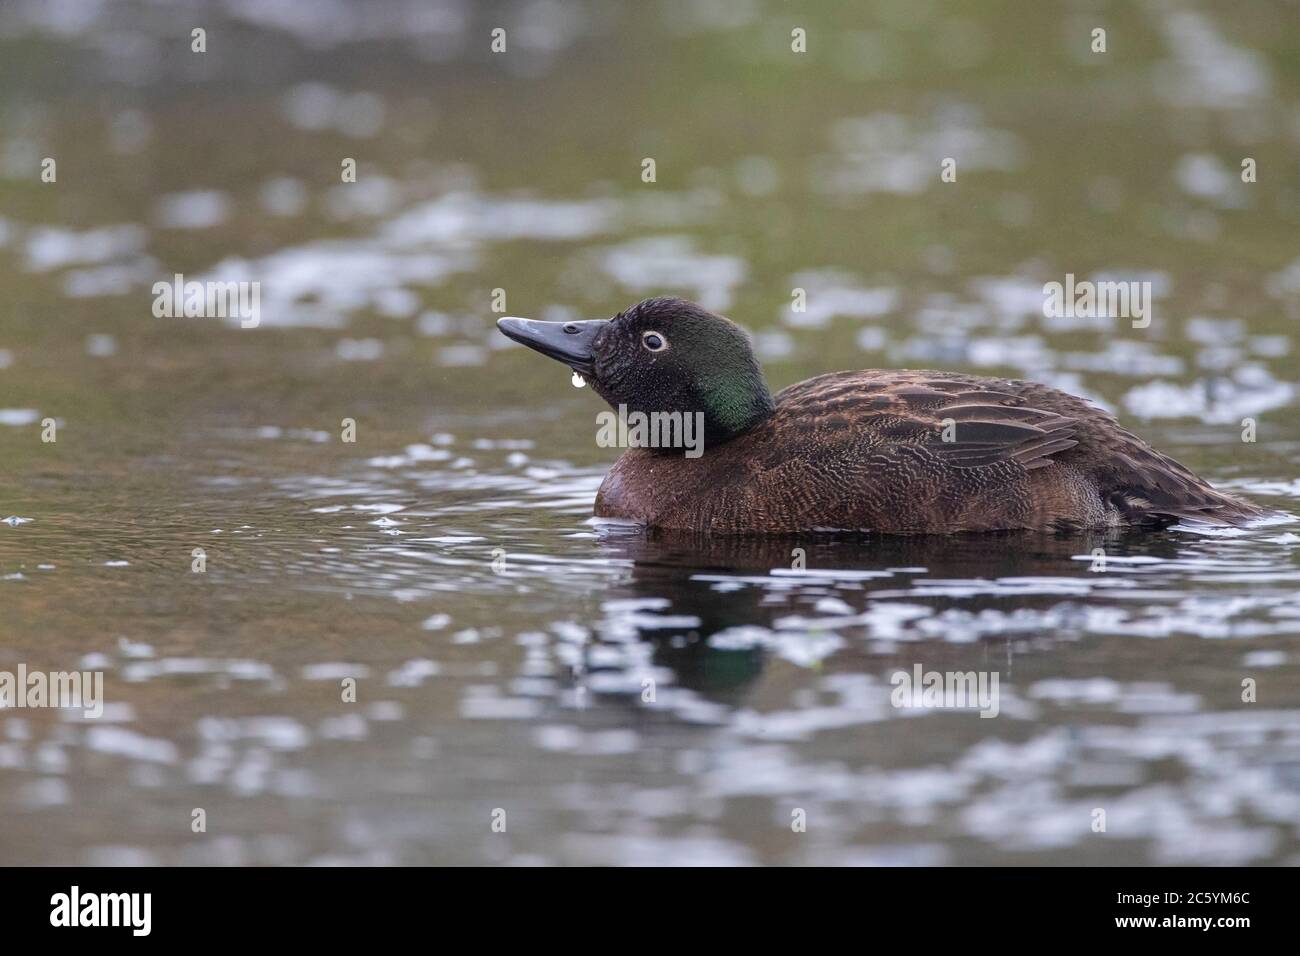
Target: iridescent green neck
{"type": "Point", "coordinates": [735, 403]}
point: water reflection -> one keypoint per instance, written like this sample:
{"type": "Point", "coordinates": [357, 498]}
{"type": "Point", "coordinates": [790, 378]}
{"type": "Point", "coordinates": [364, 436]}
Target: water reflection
{"type": "Point", "coordinates": [715, 609]}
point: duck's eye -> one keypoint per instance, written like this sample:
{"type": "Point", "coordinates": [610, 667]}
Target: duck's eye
{"type": "Point", "coordinates": [654, 341]}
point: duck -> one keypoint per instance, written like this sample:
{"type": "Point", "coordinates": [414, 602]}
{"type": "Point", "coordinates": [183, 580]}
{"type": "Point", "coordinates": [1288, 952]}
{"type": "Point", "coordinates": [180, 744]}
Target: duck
{"type": "Point", "coordinates": [876, 451]}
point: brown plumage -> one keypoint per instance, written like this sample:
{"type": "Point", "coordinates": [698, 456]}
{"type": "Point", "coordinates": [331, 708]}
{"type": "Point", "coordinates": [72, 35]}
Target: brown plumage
{"type": "Point", "coordinates": [866, 451]}
{"type": "Point", "coordinates": [901, 452]}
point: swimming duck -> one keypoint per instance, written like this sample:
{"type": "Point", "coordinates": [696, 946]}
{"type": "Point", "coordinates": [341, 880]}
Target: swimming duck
{"type": "Point", "coordinates": [889, 451]}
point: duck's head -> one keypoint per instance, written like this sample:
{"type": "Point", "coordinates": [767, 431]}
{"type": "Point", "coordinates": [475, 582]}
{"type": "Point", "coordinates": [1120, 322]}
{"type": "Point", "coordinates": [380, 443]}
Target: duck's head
{"type": "Point", "coordinates": [661, 355]}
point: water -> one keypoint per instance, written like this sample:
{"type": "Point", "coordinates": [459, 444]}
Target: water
{"type": "Point", "coordinates": [503, 644]}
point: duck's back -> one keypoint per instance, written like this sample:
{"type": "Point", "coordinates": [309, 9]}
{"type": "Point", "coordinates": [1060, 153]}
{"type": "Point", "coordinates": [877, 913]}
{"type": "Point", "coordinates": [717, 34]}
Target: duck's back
{"type": "Point", "coordinates": [916, 452]}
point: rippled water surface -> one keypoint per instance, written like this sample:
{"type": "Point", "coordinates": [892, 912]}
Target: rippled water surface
{"type": "Point", "coordinates": [627, 697]}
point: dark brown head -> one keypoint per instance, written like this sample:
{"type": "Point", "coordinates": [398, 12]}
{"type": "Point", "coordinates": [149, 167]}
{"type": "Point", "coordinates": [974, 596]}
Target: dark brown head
{"type": "Point", "coordinates": [661, 355]}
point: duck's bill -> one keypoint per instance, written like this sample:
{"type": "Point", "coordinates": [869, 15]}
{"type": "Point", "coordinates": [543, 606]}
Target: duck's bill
{"type": "Point", "coordinates": [567, 342]}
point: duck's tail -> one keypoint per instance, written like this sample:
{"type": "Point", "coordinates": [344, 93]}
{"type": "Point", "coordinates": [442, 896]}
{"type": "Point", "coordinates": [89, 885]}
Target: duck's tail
{"type": "Point", "coordinates": [1187, 501]}
{"type": "Point", "coordinates": [1144, 486]}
